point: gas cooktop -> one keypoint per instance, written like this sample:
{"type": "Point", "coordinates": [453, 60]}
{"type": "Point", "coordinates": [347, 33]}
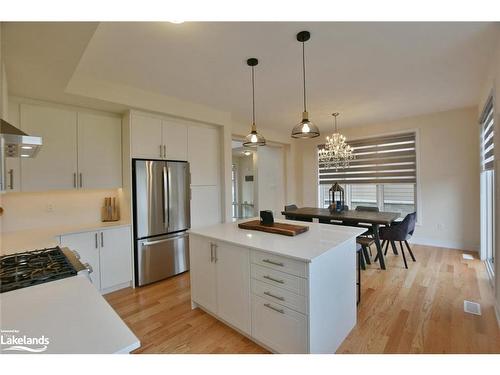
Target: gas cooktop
{"type": "Point", "coordinates": [33, 267]}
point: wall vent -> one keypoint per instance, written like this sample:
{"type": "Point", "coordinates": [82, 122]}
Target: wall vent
{"type": "Point", "coordinates": [467, 256]}
{"type": "Point", "coordinates": [472, 307]}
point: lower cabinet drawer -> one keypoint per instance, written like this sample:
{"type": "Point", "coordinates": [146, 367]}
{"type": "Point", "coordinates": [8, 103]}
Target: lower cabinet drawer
{"type": "Point", "coordinates": [280, 328]}
{"type": "Point", "coordinates": [278, 295]}
{"type": "Point", "coordinates": [283, 280]}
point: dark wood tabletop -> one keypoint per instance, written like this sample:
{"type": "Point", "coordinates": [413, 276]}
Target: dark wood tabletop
{"type": "Point", "coordinates": [383, 218]}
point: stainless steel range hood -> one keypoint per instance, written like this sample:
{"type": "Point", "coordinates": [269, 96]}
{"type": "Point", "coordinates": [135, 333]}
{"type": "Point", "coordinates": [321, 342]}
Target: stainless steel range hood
{"type": "Point", "coordinates": [17, 143]}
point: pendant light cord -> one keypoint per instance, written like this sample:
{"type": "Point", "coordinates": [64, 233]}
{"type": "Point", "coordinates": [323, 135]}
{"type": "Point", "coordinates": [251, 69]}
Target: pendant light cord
{"type": "Point", "coordinates": [253, 98]}
{"type": "Point", "coordinates": [304, 73]}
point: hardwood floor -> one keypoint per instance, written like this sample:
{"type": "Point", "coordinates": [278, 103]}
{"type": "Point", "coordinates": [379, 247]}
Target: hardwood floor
{"type": "Point", "coordinates": [419, 310]}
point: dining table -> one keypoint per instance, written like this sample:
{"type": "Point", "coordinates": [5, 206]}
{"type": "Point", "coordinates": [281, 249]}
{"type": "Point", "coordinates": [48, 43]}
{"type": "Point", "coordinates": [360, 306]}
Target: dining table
{"type": "Point", "coordinates": [365, 219]}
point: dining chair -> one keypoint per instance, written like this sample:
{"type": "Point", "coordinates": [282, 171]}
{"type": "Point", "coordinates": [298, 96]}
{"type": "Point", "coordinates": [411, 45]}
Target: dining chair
{"type": "Point", "coordinates": [400, 232]}
{"type": "Point", "coordinates": [369, 231]}
{"type": "Point", "coordinates": [360, 265]}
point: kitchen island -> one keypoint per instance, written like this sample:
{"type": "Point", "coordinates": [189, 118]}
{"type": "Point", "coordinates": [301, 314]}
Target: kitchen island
{"type": "Point", "coordinates": [289, 294]}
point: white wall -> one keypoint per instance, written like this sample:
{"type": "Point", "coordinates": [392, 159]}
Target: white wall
{"type": "Point", "coordinates": [270, 179]}
{"type": "Point", "coordinates": [491, 85]}
{"type": "Point", "coordinates": [448, 177]}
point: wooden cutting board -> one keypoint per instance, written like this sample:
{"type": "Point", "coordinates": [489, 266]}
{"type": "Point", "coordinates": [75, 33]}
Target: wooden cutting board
{"type": "Point", "coordinates": [277, 228]}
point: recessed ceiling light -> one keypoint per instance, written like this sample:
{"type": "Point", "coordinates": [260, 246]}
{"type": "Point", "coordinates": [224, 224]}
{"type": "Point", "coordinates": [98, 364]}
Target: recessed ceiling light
{"type": "Point", "coordinates": [25, 156]}
{"type": "Point", "coordinates": [177, 22]}
{"type": "Point", "coordinates": [27, 147]}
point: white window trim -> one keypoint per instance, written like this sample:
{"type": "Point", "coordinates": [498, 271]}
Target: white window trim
{"type": "Point", "coordinates": [418, 190]}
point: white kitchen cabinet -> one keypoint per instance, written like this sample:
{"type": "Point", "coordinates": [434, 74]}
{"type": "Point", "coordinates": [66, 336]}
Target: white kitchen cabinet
{"type": "Point", "coordinates": [99, 151]}
{"type": "Point", "coordinates": [204, 155]}
{"type": "Point", "coordinates": [108, 251]}
{"type": "Point", "coordinates": [115, 256]}
{"type": "Point", "coordinates": [155, 138]}
{"type": "Point", "coordinates": [205, 206]}
{"type": "Point", "coordinates": [203, 279]}
{"type": "Point", "coordinates": [55, 166]}
{"type": "Point", "coordinates": [146, 137]}
{"type": "Point", "coordinates": [220, 280]}
{"type": "Point", "coordinates": [278, 327]}
{"type": "Point", "coordinates": [175, 139]}
{"type": "Point", "coordinates": [86, 245]}
{"type": "Point", "coordinates": [233, 289]}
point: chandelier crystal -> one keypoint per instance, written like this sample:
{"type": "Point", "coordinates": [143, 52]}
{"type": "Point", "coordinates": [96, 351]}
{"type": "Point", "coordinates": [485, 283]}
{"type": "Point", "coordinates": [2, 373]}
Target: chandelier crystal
{"type": "Point", "coordinates": [336, 153]}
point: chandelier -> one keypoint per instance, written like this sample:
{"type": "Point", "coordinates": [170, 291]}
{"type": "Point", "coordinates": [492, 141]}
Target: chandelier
{"type": "Point", "coordinates": [336, 153]}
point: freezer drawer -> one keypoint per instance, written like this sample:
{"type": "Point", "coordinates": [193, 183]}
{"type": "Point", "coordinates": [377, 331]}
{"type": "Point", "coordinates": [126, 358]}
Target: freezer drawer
{"type": "Point", "coordinates": [161, 257]}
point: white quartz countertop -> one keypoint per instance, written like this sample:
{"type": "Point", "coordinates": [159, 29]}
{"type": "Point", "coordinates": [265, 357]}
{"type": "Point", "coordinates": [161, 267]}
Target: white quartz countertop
{"type": "Point", "coordinates": [70, 313]}
{"type": "Point", "coordinates": [39, 238]}
{"type": "Point", "coordinates": [307, 246]}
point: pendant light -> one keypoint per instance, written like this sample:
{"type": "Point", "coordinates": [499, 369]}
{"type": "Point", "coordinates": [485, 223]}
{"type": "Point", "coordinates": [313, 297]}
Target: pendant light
{"type": "Point", "coordinates": [253, 139]}
{"type": "Point", "coordinates": [304, 129]}
{"type": "Point", "coordinates": [336, 153]}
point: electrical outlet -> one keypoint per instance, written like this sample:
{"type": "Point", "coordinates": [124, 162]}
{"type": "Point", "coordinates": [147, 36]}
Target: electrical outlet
{"type": "Point", "coordinates": [49, 207]}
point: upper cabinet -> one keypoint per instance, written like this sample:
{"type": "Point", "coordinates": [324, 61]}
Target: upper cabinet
{"type": "Point", "coordinates": [80, 149]}
{"type": "Point", "coordinates": [203, 155]}
{"type": "Point", "coordinates": [146, 137]}
{"type": "Point", "coordinates": [155, 138]}
{"type": "Point", "coordinates": [99, 151]}
{"type": "Point", "coordinates": [55, 165]}
{"type": "Point", "coordinates": [175, 140]}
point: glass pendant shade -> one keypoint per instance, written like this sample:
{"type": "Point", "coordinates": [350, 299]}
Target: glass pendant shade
{"type": "Point", "coordinates": [254, 139]}
{"type": "Point", "coordinates": [305, 129]}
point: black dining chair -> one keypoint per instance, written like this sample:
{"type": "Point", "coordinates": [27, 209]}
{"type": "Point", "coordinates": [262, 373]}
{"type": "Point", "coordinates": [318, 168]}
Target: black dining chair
{"type": "Point", "coordinates": [400, 232]}
{"type": "Point", "coordinates": [364, 239]}
{"type": "Point", "coordinates": [360, 265]}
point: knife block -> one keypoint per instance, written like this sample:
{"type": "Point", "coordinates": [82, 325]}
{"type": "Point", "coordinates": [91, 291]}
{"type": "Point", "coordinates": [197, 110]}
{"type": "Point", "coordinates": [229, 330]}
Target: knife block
{"type": "Point", "coordinates": [110, 211]}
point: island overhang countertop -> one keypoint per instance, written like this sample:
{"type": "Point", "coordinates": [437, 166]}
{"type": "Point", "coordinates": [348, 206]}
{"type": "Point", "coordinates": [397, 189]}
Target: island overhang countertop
{"type": "Point", "coordinates": [307, 246]}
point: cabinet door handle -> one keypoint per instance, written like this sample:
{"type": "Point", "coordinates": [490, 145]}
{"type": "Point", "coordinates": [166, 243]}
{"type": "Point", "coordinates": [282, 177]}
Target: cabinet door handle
{"type": "Point", "coordinates": [164, 151]}
{"type": "Point", "coordinates": [74, 180]}
{"type": "Point", "coordinates": [274, 296]}
{"type": "Point", "coordinates": [273, 279]}
{"type": "Point", "coordinates": [81, 180]}
{"type": "Point", "coordinates": [215, 253]}
{"type": "Point", "coordinates": [268, 305]}
{"type": "Point", "coordinates": [102, 239]}
{"type": "Point", "coordinates": [273, 262]}
{"type": "Point", "coordinates": [11, 175]}
{"type": "Point", "coordinates": [161, 151]}
{"type": "Point", "coordinates": [96, 241]}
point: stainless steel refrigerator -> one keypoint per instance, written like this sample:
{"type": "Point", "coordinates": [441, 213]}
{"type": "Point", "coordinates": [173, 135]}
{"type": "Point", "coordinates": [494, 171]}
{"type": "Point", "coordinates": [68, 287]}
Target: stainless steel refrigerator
{"type": "Point", "coordinates": [161, 199]}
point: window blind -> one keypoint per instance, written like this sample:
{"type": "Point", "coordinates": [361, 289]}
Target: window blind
{"type": "Point", "coordinates": [388, 159]}
{"type": "Point", "coordinates": [487, 122]}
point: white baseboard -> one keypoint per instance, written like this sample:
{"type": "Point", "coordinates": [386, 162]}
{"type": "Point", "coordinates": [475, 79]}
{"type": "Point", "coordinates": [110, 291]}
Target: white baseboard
{"type": "Point", "coordinates": [456, 245]}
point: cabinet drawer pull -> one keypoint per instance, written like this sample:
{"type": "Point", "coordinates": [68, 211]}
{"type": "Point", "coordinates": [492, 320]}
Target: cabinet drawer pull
{"type": "Point", "coordinates": [274, 296]}
{"type": "Point", "coordinates": [11, 174]}
{"type": "Point", "coordinates": [74, 180]}
{"type": "Point", "coordinates": [273, 262]}
{"type": "Point", "coordinates": [81, 180]}
{"type": "Point", "coordinates": [96, 241]}
{"type": "Point", "coordinates": [273, 279]}
{"type": "Point", "coordinates": [102, 239]}
{"type": "Point", "coordinates": [268, 305]}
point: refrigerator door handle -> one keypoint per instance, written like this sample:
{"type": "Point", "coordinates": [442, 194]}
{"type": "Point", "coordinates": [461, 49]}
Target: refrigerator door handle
{"type": "Point", "coordinates": [163, 184]}
{"type": "Point", "coordinates": [166, 197]}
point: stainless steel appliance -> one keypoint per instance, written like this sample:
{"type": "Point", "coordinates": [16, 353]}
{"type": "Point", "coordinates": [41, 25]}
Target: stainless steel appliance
{"type": "Point", "coordinates": [15, 143]}
{"type": "Point", "coordinates": [21, 270]}
{"type": "Point", "coordinates": [161, 198]}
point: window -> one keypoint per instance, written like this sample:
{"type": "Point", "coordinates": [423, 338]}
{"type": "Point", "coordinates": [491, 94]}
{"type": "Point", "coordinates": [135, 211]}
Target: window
{"type": "Point", "coordinates": [487, 190]}
{"type": "Point", "coordinates": [383, 174]}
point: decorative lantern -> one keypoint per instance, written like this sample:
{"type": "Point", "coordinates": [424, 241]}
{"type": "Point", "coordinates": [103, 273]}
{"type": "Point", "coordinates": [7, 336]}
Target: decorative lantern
{"type": "Point", "coordinates": [336, 198]}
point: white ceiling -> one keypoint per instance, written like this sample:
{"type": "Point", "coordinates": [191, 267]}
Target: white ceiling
{"type": "Point", "coordinates": [370, 72]}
